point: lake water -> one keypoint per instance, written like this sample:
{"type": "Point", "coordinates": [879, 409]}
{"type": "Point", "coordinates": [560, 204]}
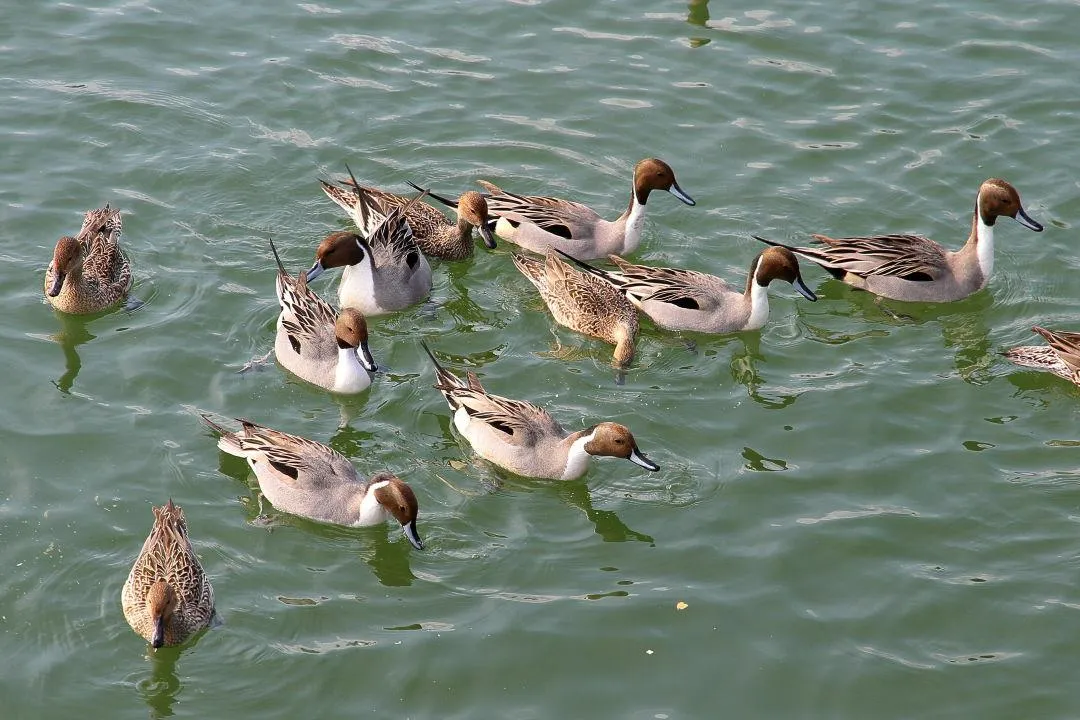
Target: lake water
{"type": "Point", "coordinates": [863, 510]}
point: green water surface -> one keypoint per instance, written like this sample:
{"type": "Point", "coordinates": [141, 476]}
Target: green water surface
{"type": "Point", "coordinates": [865, 511]}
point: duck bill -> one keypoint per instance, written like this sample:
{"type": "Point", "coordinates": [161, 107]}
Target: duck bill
{"type": "Point", "coordinates": [638, 459]}
{"type": "Point", "coordinates": [316, 270]}
{"type": "Point", "coordinates": [1024, 219]}
{"type": "Point", "coordinates": [365, 357]}
{"type": "Point", "coordinates": [803, 290]}
{"type": "Point", "coordinates": [158, 638]}
{"type": "Point", "coordinates": [409, 529]}
{"type": "Point", "coordinates": [489, 237]}
{"type": "Point", "coordinates": [681, 194]}
{"type": "Point", "coordinates": [57, 283]}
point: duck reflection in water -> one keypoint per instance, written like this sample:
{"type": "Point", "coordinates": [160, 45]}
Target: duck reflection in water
{"type": "Point", "coordinates": [698, 15]}
{"type": "Point", "coordinates": [72, 333]}
{"type": "Point", "coordinates": [160, 689]}
{"type": "Point", "coordinates": [606, 523]}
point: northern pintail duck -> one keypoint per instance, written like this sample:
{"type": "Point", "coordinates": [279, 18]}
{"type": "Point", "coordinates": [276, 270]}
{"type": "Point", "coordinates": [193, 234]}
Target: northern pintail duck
{"type": "Point", "coordinates": [1061, 356]}
{"type": "Point", "coordinates": [384, 271]}
{"type": "Point", "coordinates": [541, 223]}
{"type": "Point", "coordinates": [90, 272]}
{"type": "Point", "coordinates": [307, 478]}
{"type": "Point", "coordinates": [915, 268]}
{"type": "Point", "coordinates": [678, 299]}
{"type": "Point", "coordinates": [436, 236]}
{"type": "Point", "coordinates": [167, 597]}
{"type": "Point", "coordinates": [583, 302]}
{"type": "Point", "coordinates": [317, 343]}
{"type": "Point", "coordinates": [526, 439]}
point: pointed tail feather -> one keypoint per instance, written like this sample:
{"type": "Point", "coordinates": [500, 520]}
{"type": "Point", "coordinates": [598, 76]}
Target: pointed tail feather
{"type": "Point", "coordinates": [445, 381]}
{"type": "Point", "coordinates": [445, 201]}
{"type": "Point", "coordinates": [592, 270]}
{"type": "Point", "coordinates": [774, 243]}
{"type": "Point", "coordinates": [273, 249]}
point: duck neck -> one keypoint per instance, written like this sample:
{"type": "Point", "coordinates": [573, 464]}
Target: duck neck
{"type": "Point", "coordinates": [577, 457]}
{"type": "Point", "coordinates": [463, 231]}
{"type": "Point", "coordinates": [357, 288]}
{"type": "Point", "coordinates": [624, 347]}
{"type": "Point", "coordinates": [634, 217]}
{"type": "Point", "coordinates": [758, 297]}
{"type": "Point", "coordinates": [456, 239]}
{"type": "Point", "coordinates": [371, 512]}
{"type": "Point", "coordinates": [349, 375]}
{"type": "Point", "coordinates": [981, 242]}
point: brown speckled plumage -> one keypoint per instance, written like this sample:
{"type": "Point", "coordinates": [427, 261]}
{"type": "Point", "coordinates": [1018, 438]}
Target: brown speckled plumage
{"type": "Point", "coordinates": [435, 235]}
{"type": "Point", "coordinates": [583, 302]}
{"type": "Point", "coordinates": [1061, 356]}
{"type": "Point", "coordinates": [89, 272]}
{"type": "Point", "coordinates": [167, 585]}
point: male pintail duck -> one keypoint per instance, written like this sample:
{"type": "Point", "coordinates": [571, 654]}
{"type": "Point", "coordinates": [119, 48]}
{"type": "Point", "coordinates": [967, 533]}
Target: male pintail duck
{"type": "Point", "coordinates": [915, 268]}
{"type": "Point", "coordinates": [167, 597]}
{"type": "Point", "coordinates": [316, 343]}
{"type": "Point", "coordinates": [678, 299]}
{"type": "Point", "coordinates": [524, 438]}
{"type": "Point", "coordinates": [1061, 356]}
{"type": "Point", "coordinates": [89, 273]}
{"type": "Point", "coordinates": [436, 236]}
{"type": "Point", "coordinates": [541, 224]}
{"type": "Point", "coordinates": [307, 478]}
{"type": "Point", "coordinates": [583, 302]}
{"type": "Point", "coordinates": [384, 270]}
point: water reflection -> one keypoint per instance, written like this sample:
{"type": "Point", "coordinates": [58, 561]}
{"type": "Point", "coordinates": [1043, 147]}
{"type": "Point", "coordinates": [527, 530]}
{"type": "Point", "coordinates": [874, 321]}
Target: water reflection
{"type": "Point", "coordinates": [963, 325]}
{"type": "Point", "coordinates": [969, 334]}
{"type": "Point", "coordinates": [160, 689]}
{"type": "Point", "coordinates": [389, 561]}
{"type": "Point", "coordinates": [698, 15]}
{"type": "Point", "coordinates": [73, 332]}
{"type": "Point", "coordinates": [605, 522]}
{"type": "Point", "coordinates": [743, 365]}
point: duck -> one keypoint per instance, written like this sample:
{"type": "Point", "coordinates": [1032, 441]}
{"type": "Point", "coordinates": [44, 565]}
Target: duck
{"type": "Point", "coordinates": [583, 302]}
{"type": "Point", "coordinates": [678, 299]}
{"type": "Point", "coordinates": [916, 268]}
{"type": "Point", "coordinates": [312, 480]}
{"type": "Point", "coordinates": [1061, 357]}
{"type": "Point", "coordinates": [541, 224]}
{"type": "Point", "coordinates": [89, 273]}
{"type": "Point", "coordinates": [525, 439]}
{"type": "Point", "coordinates": [167, 597]}
{"type": "Point", "coordinates": [435, 235]}
{"type": "Point", "coordinates": [315, 342]}
{"type": "Point", "coordinates": [384, 271]}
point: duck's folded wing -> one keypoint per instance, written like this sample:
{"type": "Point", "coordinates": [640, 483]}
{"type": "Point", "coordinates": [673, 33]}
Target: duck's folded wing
{"type": "Point", "coordinates": [522, 423]}
{"type": "Point", "coordinates": [555, 215]}
{"type": "Point", "coordinates": [687, 289]}
{"type": "Point", "coordinates": [295, 460]}
{"type": "Point", "coordinates": [908, 257]}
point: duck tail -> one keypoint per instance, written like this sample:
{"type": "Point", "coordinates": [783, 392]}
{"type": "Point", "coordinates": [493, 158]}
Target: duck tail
{"type": "Point", "coordinates": [441, 198]}
{"type": "Point", "coordinates": [445, 381]}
